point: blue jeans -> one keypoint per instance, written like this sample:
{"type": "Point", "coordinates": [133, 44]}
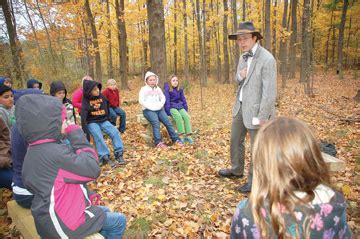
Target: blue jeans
{"type": "Point", "coordinates": [155, 117]}
{"type": "Point", "coordinates": [95, 130]}
{"type": "Point", "coordinates": [114, 225]}
{"type": "Point", "coordinates": [6, 176]}
{"type": "Point", "coordinates": [114, 112]}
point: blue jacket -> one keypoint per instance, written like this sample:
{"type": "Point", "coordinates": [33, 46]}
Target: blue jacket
{"type": "Point", "coordinates": [174, 99]}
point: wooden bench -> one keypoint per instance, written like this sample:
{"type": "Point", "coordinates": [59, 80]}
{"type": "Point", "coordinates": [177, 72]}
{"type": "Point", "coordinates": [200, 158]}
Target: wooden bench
{"type": "Point", "coordinates": [335, 165]}
{"type": "Point", "coordinates": [24, 222]}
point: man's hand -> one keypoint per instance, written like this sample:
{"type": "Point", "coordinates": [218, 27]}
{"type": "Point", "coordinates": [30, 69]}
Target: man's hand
{"type": "Point", "coordinates": [243, 73]}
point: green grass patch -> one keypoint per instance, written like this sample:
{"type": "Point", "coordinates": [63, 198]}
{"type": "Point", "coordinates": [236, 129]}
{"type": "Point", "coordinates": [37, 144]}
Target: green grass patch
{"type": "Point", "coordinates": [182, 166]}
{"type": "Point", "coordinates": [342, 133]}
{"type": "Point", "coordinates": [200, 154]}
{"type": "Point", "coordinates": [154, 180]}
{"type": "Point", "coordinates": [139, 229]}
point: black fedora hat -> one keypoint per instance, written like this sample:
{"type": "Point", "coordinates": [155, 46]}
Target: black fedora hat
{"type": "Point", "coordinates": [245, 28]}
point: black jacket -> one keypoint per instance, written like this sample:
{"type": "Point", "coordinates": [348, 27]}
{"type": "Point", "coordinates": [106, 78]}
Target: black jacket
{"type": "Point", "coordinates": [94, 109]}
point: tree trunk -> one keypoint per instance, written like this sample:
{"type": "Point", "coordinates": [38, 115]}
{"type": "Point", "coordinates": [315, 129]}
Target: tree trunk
{"type": "Point", "coordinates": [157, 41]}
{"type": "Point", "coordinates": [109, 43]}
{"type": "Point", "coordinates": [339, 70]}
{"type": "Point", "coordinates": [175, 38]}
{"type": "Point", "coordinates": [122, 39]}
{"type": "Point", "coordinates": [244, 10]}
{"type": "Point", "coordinates": [33, 28]}
{"type": "Point", "coordinates": [305, 46]}
{"type": "Point", "coordinates": [267, 25]}
{"type": "Point", "coordinates": [217, 44]}
{"type": "Point", "coordinates": [225, 44]}
{"type": "Point", "coordinates": [95, 42]}
{"type": "Point", "coordinates": [51, 49]}
{"type": "Point", "coordinates": [333, 45]}
{"type": "Point", "coordinates": [293, 39]}
{"type": "Point", "coordinates": [348, 43]}
{"type": "Point", "coordinates": [283, 47]}
{"type": "Point", "coordinates": [16, 50]}
{"type": "Point", "coordinates": [234, 22]}
{"type": "Point", "coordinates": [204, 72]}
{"type": "Point", "coordinates": [186, 55]}
{"type": "Point", "coordinates": [89, 61]}
{"type": "Point", "coordinates": [328, 40]}
{"type": "Point", "coordinates": [274, 29]}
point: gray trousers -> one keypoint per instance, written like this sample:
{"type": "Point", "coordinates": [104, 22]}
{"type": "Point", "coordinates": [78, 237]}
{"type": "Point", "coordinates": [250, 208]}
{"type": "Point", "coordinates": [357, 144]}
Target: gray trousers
{"type": "Point", "coordinates": [237, 145]}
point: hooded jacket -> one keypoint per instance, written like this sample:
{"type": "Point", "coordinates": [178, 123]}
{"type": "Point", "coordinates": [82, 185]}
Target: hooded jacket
{"type": "Point", "coordinates": [95, 109]}
{"type": "Point", "coordinates": [320, 219]}
{"type": "Point", "coordinates": [57, 86]}
{"type": "Point", "coordinates": [19, 148]}
{"type": "Point", "coordinates": [30, 83]}
{"type": "Point", "coordinates": [151, 98]}
{"type": "Point", "coordinates": [57, 173]}
{"type": "Point", "coordinates": [174, 99]}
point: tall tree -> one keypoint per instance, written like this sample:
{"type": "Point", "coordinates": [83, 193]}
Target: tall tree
{"type": "Point", "coordinates": [283, 46]}
{"type": "Point", "coordinates": [243, 10]}
{"type": "Point", "coordinates": [305, 48]}
{"type": "Point", "coordinates": [51, 49]}
{"type": "Point", "coordinates": [16, 50]}
{"type": "Point", "coordinates": [225, 43]}
{"type": "Point", "coordinates": [274, 29]}
{"type": "Point", "coordinates": [186, 55]}
{"type": "Point", "coordinates": [341, 39]}
{"type": "Point", "coordinates": [205, 49]}
{"type": "Point", "coordinates": [293, 39]}
{"type": "Point", "coordinates": [95, 42]}
{"type": "Point", "coordinates": [89, 60]}
{"type": "Point", "coordinates": [234, 22]}
{"type": "Point", "coordinates": [157, 41]}
{"type": "Point", "coordinates": [110, 70]}
{"type": "Point", "coordinates": [122, 39]}
{"type": "Point", "coordinates": [175, 38]}
{"type": "Point", "coordinates": [267, 25]}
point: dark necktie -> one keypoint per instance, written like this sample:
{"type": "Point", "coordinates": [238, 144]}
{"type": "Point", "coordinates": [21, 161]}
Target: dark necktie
{"type": "Point", "coordinates": [247, 55]}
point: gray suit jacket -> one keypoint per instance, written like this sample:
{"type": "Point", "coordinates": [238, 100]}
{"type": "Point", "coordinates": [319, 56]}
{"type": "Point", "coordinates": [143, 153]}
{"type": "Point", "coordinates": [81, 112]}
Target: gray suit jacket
{"type": "Point", "coordinates": [259, 93]}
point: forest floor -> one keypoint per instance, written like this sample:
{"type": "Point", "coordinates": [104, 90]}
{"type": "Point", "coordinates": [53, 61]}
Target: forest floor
{"type": "Point", "coordinates": [176, 192]}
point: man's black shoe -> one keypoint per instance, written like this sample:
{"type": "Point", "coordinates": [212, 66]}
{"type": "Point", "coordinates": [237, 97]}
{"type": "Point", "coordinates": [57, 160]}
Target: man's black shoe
{"type": "Point", "coordinates": [246, 188]}
{"type": "Point", "coordinates": [228, 174]}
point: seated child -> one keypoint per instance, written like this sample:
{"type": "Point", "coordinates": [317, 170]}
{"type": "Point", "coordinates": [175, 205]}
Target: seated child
{"type": "Point", "coordinates": [57, 89]}
{"type": "Point", "coordinates": [112, 94]}
{"type": "Point", "coordinates": [19, 148]}
{"type": "Point", "coordinates": [95, 119]}
{"type": "Point", "coordinates": [57, 174]}
{"type": "Point", "coordinates": [6, 81]}
{"type": "Point", "coordinates": [6, 171]}
{"type": "Point", "coordinates": [176, 106]}
{"type": "Point", "coordinates": [152, 101]}
{"type": "Point", "coordinates": [32, 83]}
{"type": "Point", "coordinates": [291, 195]}
{"type": "Point", "coordinates": [7, 106]}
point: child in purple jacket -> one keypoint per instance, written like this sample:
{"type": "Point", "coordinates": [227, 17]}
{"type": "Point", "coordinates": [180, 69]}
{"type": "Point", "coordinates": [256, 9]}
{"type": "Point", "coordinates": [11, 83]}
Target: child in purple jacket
{"type": "Point", "coordinates": [177, 108]}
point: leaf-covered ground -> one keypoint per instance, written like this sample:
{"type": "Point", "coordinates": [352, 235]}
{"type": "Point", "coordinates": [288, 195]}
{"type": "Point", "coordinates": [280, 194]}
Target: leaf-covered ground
{"type": "Point", "coordinates": [176, 192]}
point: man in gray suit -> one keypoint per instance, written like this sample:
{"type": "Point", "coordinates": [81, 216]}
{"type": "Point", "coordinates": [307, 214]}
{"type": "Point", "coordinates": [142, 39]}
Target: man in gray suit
{"type": "Point", "coordinates": [255, 98]}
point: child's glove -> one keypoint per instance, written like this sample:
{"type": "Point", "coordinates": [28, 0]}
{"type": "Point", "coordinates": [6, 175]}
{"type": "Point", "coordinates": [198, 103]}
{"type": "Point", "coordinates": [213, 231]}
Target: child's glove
{"type": "Point", "coordinates": [95, 199]}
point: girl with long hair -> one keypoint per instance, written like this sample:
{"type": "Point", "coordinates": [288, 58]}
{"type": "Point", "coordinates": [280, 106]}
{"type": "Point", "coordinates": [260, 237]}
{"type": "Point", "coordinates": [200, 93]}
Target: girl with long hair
{"type": "Point", "coordinates": [291, 195]}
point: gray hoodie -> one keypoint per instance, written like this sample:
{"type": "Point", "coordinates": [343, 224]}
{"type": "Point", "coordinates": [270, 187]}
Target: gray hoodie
{"type": "Point", "coordinates": [56, 173]}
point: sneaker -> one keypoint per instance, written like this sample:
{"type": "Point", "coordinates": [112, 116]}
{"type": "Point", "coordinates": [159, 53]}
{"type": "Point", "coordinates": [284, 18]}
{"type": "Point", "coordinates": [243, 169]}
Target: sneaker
{"type": "Point", "coordinates": [102, 161]}
{"type": "Point", "coordinates": [181, 139]}
{"type": "Point", "coordinates": [161, 145]}
{"type": "Point", "coordinates": [178, 142]}
{"type": "Point", "coordinates": [120, 158]}
{"type": "Point", "coordinates": [189, 140]}
{"type": "Point", "coordinates": [106, 160]}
